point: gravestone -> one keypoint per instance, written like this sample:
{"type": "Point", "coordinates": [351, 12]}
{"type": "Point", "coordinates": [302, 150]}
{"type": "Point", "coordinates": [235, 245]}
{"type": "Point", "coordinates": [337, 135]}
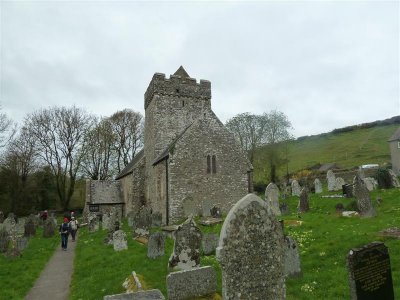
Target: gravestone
{"type": "Point", "coordinates": [19, 228]}
{"type": "Point", "coordinates": [140, 295]}
{"type": "Point", "coordinates": [107, 221]}
{"type": "Point", "coordinates": [29, 228]}
{"type": "Point", "coordinates": [317, 186]}
{"type": "Point", "coordinates": [284, 208]}
{"type": "Point", "coordinates": [119, 240]}
{"type": "Point", "coordinates": [156, 245]}
{"type": "Point", "coordinates": [1, 217]}
{"type": "Point", "coordinates": [4, 240]}
{"type": "Point", "coordinates": [216, 212]}
{"type": "Point", "coordinates": [292, 259]}
{"type": "Point", "coordinates": [347, 190]}
{"type": "Point", "coordinates": [250, 252]}
{"type": "Point", "coordinates": [186, 254]}
{"type": "Point", "coordinates": [393, 177]}
{"type": "Point", "coordinates": [364, 203]}
{"type": "Point", "coordinates": [370, 183]}
{"type": "Point", "coordinates": [331, 179]}
{"type": "Point", "coordinates": [303, 201]}
{"type": "Point", "coordinates": [272, 198]}
{"type": "Point", "coordinates": [339, 183]}
{"type": "Point", "coordinates": [156, 219]}
{"type": "Point", "coordinates": [295, 188]}
{"type": "Point", "coordinates": [94, 223]}
{"type": "Point", "coordinates": [209, 243]}
{"type": "Point", "coordinates": [48, 228]}
{"type": "Point", "coordinates": [131, 218]}
{"type": "Point", "coordinates": [21, 243]}
{"type": "Point", "coordinates": [9, 223]}
{"type": "Point", "coordinates": [142, 222]}
{"type": "Point", "coordinates": [370, 275]}
{"type": "Point", "coordinates": [191, 284]}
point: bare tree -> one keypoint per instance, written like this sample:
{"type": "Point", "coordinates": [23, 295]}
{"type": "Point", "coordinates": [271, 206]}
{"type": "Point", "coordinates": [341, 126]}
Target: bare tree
{"type": "Point", "coordinates": [7, 129]}
{"type": "Point", "coordinates": [59, 136]}
{"type": "Point", "coordinates": [98, 159]}
{"type": "Point", "coordinates": [127, 127]}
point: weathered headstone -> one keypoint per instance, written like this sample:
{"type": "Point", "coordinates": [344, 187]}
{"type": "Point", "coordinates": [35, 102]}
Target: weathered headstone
{"type": "Point", "coordinates": [395, 180]}
{"type": "Point", "coordinates": [19, 228]}
{"type": "Point", "coordinates": [49, 228]}
{"type": "Point", "coordinates": [9, 223]}
{"type": "Point", "coordinates": [93, 222]}
{"type": "Point", "coordinates": [251, 252]}
{"type": "Point", "coordinates": [292, 259]}
{"type": "Point", "coordinates": [142, 222]}
{"type": "Point", "coordinates": [156, 219]}
{"type": "Point", "coordinates": [4, 240]}
{"type": "Point", "coordinates": [209, 243]}
{"type": "Point", "coordinates": [156, 245]}
{"type": "Point", "coordinates": [317, 186]}
{"type": "Point", "coordinates": [131, 218]}
{"type": "Point", "coordinates": [272, 198]}
{"type": "Point", "coordinates": [370, 183]}
{"type": "Point", "coordinates": [119, 240]}
{"type": "Point", "coordinates": [331, 179]}
{"type": "Point", "coordinates": [186, 254]}
{"type": "Point", "coordinates": [295, 188]}
{"type": "Point", "coordinates": [339, 183]}
{"type": "Point", "coordinates": [21, 243]}
{"type": "Point", "coordinates": [370, 275]}
{"type": "Point", "coordinates": [106, 221]}
{"type": "Point", "coordinates": [303, 201]}
{"type": "Point", "coordinates": [29, 228]}
{"type": "Point", "coordinates": [284, 208]}
{"type": "Point", "coordinates": [190, 284]}
{"type": "Point", "coordinates": [140, 295]}
{"type": "Point", "coordinates": [364, 203]}
{"type": "Point", "coordinates": [216, 212]}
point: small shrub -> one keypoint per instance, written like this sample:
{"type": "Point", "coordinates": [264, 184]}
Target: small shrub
{"type": "Point", "coordinates": [384, 179]}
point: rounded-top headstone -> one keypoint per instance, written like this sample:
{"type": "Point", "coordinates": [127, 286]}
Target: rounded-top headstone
{"type": "Point", "coordinates": [272, 198]}
{"type": "Point", "coordinates": [251, 251]}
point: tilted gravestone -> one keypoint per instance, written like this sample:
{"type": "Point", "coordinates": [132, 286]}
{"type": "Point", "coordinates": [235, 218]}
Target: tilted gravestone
{"type": "Point", "coordinates": [364, 203]}
{"type": "Point", "coordinates": [331, 179]}
{"type": "Point", "coordinates": [339, 183]}
{"type": "Point", "coordinates": [272, 198]}
{"type": "Point", "coordinates": [186, 254]}
{"type": "Point", "coordinates": [370, 275]}
{"type": "Point", "coordinates": [49, 228]}
{"type": "Point", "coordinates": [94, 222]}
{"type": "Point", "coordinates": [209, 243]}
{"type": "Point", "coordinates": [295, 188]}
{"type": "Point", "coordinates": [304, 205]}
{"type": "Point", "coordinates": [395, 180]}
{"type": "Point", "coordinates": [292, 259]}
{"type": "Point", "coordinates": [156, 245]}
{"type": "Point", "coordinates": [119, 240]}
{"type": "Point", "coordinates": [190, 284]}
{"type": "Point", "coordinates": [317, 186]}
{"type": "Point", "coordinates": [156, 219]}
{"type": "Point", "coordinates": [216, 212]}
{"type": "Point", "coordinates": [4, 240]}
{"type": "Point", "coordinates": [251, 252]}
{"type": "Point", "coordinates": [142, 222]}
{"type": "Point", "coordinates": [30, 228]}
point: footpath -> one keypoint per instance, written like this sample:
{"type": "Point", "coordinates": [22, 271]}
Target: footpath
{"type": "Point", "coordinates": [55, 279]}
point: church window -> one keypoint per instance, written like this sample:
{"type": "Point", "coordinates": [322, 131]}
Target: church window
{"type": "Point", "coordinates": [208, 164]}
{"type": "Point", "coordinates": [214, 164]}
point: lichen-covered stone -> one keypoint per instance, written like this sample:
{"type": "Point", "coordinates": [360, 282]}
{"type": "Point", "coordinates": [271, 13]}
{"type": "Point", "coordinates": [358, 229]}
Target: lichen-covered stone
{"type": "Point", "coordinates": [156, 245]}
{"type": "Point", "coordinates": [142, 222]}
{"type": "Point", "coordinates": [292, 258]}
{"type": "Point", "coordinates": [331, 179]}
{"type": "Point", "coordinates": [94, 222]}
{"type": "Point", "coordinates": [187, 246]}
{"type": "Point", "coordinates": [317, 186]}
{"type": "Point", "coordinates": [364, 203]}
{"type": "Point", "coordinates": [295, 188]}
{"type": "Point", "coordinates": [272, 198]}
{"type": "Point", "coordinates": [251, 252]}
{"type": "Point", "coordinates": [210, 243]}
{"type": "Point", "coordinates": [190, 284]}
{"type": "Point", "coordinates": [119, 240]}
{"type": "Point", "coordinates": [339, 183]}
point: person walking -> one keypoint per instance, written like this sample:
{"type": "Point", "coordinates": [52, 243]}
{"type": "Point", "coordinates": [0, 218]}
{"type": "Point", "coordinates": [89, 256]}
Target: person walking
{"type": "Point", "coordinates": [73, 225]}
{"type": "Point", "coordinates": [64, 232]}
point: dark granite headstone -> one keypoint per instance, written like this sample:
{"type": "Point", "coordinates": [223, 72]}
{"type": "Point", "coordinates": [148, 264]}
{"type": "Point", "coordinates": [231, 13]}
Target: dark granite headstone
{"type": "Point", "coordinates": [303, 203]}
{"type": "Point", "coordinates": [4, 240]}
{"type": "Point", "coordinates": [370, 275]}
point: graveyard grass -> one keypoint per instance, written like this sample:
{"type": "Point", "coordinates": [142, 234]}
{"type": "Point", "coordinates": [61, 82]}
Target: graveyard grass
{"type": "Point", "coordinates": [324, 240]}
{"type": "Point", "coordinates": [18, 275]}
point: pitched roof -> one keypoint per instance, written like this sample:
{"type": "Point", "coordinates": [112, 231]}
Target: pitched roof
{"type": "Point", "coordinates": [129, 167]}
{"type": "Point", "coordinates": [182, 72]}
{"type": "Point", "coordinates": [395, 136]}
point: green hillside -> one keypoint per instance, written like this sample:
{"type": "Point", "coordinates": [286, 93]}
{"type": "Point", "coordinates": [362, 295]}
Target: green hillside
{"type": "Point", "coordinates": [346, 149]}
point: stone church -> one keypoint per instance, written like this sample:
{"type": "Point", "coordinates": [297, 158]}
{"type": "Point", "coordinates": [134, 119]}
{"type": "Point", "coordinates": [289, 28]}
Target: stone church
{"type": "Point", "coordinates": [190, 162]}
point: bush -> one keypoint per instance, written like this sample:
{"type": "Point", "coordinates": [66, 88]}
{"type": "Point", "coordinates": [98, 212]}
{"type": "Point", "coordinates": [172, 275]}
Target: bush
{"type": "Point", "coordinates": [384, 179]}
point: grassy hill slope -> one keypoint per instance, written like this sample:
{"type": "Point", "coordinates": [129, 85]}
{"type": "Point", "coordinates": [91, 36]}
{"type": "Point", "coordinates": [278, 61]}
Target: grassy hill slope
{"type": "Point", "coordinates": [347, 149]}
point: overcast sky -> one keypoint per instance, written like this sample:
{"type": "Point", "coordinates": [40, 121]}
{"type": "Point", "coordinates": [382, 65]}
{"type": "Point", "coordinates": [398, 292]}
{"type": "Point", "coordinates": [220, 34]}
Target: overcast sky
{"type": "Point", "coordinates": [326, 65]}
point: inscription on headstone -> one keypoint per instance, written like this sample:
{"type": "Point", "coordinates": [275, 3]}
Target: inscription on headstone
{"type": "Point", "coordinates": [370, 275]}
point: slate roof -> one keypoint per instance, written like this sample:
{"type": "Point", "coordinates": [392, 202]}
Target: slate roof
{"type": "Point", "coordinates": [129, 167]}
{"type": "Point", "coordinates": [395, 136]}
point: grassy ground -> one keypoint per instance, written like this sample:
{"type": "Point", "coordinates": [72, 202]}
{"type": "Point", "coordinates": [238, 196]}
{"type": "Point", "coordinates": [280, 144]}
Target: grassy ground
{"type": "Point", "coordinates": [324, 240]}
{"type": "Point", "coordinates": [18, 275]}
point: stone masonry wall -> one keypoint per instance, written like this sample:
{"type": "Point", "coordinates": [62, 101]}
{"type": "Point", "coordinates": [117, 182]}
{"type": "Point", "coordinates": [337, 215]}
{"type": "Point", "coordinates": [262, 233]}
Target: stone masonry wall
{"type": "Point", "coordinates": [191, 188]}
{"type": "Point", "coordinates": [105, 191]}
{"type": "Point", "coordinates": [136, 188]}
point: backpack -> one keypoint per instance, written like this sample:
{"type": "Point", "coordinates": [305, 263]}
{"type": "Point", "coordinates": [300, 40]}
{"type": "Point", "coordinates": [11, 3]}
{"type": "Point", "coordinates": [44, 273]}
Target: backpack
{"type": "Point", "coordinates": [74, 226]}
